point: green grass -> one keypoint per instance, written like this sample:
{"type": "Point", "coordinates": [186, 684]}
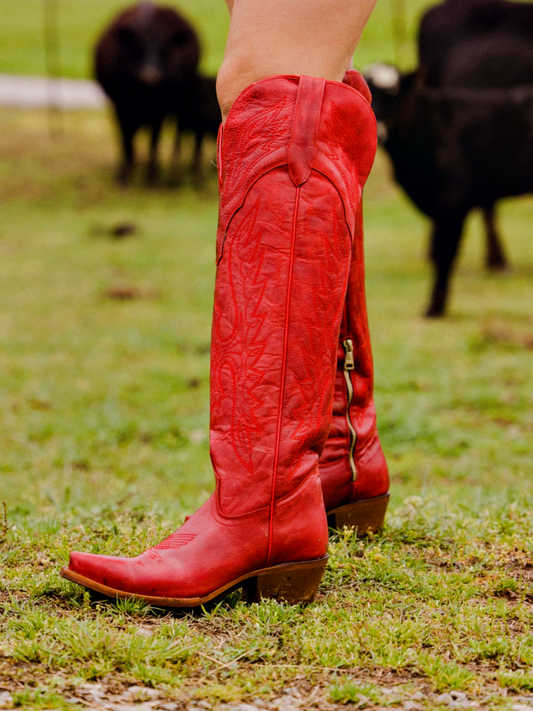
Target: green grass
{"type": "Point", "coordinates": [103, 447]}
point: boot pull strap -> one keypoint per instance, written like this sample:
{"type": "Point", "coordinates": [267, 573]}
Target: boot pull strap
{"type": "Point", "coordinates": [302, 146]}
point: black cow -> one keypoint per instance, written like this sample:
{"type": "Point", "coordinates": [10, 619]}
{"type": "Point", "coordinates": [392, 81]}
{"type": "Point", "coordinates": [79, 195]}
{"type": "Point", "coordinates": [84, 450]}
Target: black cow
{"type": "Point", "coordinates": [453, 149]}
{"type": "Point", "coordinates": [144, 61]}
{"type": "Point", "coordinates": [478, 44]}
{"type": "Point", "coordinates": [458, 25]}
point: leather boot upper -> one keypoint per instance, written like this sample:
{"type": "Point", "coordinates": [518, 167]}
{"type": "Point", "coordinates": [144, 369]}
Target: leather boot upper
{"type": "Point", "coordinates": [366, 476]}
{"type": "Point", "coordinates": [293, 157]}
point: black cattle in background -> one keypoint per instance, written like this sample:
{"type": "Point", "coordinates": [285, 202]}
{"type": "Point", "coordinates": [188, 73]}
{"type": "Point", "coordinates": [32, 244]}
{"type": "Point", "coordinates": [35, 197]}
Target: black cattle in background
{"type": "Point", "coordinates": [455, 26]}
{"type": "Point", "coordinates": [198, 112]}
{"type": "Point", "coordinates": [453, 149]}
{"type": "Point", "coordinates": [144, 60]}
{"type": "Point", "coordinates": [478, 44]}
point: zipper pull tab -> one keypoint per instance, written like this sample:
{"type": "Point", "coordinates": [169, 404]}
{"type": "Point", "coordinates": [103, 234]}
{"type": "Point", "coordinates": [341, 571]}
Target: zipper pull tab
{"type": "Point", "coordinates": [349, 361]}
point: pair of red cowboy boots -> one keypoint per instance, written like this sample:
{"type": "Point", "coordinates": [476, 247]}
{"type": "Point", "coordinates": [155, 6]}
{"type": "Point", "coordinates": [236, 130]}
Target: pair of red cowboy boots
{"type": "Point", "coordinates": [290, 346]}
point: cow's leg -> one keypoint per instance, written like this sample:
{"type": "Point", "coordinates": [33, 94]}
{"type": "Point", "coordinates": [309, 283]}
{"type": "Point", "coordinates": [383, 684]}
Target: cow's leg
{"type": "Point", "coordinates": [495, 259]}
{"type": "Point", "coordinates": [444, 244]}
{"type": "Point", "coordinates": [128, 129]}
{"type": "Point", "coordinates": [152, 171]}
{"type": "Point", "coordinates": [176, 175]}
{"type": "Point", "coordinates": [197, 158]}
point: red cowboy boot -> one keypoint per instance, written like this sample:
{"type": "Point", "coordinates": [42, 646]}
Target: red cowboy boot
{"type": "Point", "coordinates": [353, 470]}
{"type": "Point", "coordinates": [293, 156]}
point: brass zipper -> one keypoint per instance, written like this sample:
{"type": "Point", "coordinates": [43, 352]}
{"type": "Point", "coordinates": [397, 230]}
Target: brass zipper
{"type": "Point", "coordinates": [349, 365]}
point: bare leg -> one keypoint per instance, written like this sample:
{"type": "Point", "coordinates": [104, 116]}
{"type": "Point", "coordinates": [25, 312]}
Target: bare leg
{"type": "Point", "coordinates": [313, 37]}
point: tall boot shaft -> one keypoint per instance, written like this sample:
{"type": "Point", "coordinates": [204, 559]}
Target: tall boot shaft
{"type": "Point", "coordinates": [293, 157]}
{"type": "Point", "coordinates": [283, 264]}
{"type": "Point", "coordinates": [352, 465]}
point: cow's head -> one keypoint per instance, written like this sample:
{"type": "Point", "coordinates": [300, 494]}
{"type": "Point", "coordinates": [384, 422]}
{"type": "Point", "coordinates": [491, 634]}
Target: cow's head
{"type": "Point", "coordinates": [157, 44]}
{"type": "Point", "coordinates": [388, 86]}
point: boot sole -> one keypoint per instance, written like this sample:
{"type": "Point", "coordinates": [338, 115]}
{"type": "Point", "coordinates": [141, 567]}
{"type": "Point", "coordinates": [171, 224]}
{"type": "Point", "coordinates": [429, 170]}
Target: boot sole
{"type": "Point", "coordinates": [365, 516]}
{"type": "Point", "coordinates": [289, 582]}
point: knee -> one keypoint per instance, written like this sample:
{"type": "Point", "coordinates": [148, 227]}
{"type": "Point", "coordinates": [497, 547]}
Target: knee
{"type": "Point", "coordinates": [233, 77]}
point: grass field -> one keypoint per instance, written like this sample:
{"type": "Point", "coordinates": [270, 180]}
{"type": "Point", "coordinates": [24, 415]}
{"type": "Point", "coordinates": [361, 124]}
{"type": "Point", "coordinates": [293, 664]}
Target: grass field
{"type": "Point", "coordinates": [104, 363]}
{"type": "Point", "coordinates": [103, 442]}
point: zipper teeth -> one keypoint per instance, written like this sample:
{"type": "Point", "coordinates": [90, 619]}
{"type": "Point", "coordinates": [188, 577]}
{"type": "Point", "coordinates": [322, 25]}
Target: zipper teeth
{"type": "Point", "coordinates": [351, 428]}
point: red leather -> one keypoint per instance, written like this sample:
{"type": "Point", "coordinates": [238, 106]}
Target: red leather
{"type": "Point", "coordinates": [294, 154]}
{"type": "Point", "coordinates": [211, 550]}
{"type": "Point", "coordinates": [372, 472]}
{"type": "Point", "coordinates": [302, 148]}
{"type": "Point", "coordinates": [356, 80]}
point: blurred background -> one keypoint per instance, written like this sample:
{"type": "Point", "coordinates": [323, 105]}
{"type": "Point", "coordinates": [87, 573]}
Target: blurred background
{"type": "Point", "coordinates": [22, 39]}
{"type": "Point", "coordinates": [106, 296]}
